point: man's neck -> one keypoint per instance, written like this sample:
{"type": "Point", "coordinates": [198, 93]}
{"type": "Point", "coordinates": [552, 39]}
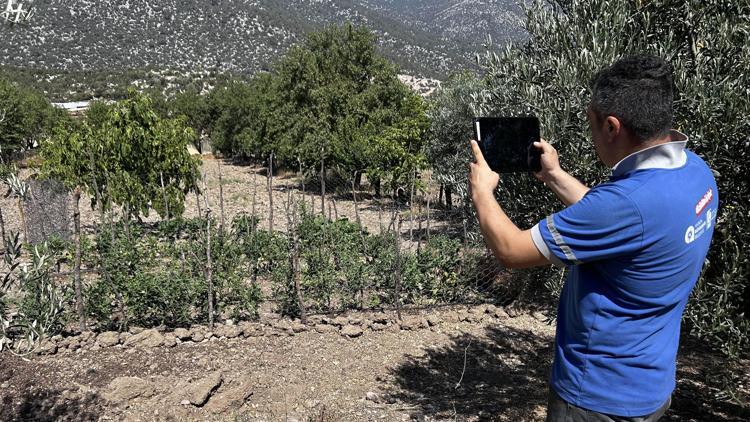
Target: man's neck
{"type": "Point", "coordinates": [632, 146]}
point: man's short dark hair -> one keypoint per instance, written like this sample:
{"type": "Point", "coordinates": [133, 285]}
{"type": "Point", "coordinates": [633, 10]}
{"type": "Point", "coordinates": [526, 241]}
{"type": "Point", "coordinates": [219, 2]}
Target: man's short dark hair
{"type": "Point", "coordinates": [637, 90]}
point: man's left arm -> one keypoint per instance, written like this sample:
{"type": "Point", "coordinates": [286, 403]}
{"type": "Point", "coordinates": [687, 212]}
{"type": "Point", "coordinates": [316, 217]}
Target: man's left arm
{"type": "Point", "coordinates": [513, 247]}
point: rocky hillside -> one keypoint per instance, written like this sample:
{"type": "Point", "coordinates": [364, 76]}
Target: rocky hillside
{"type": "Point", "coordinates": [425, 37]}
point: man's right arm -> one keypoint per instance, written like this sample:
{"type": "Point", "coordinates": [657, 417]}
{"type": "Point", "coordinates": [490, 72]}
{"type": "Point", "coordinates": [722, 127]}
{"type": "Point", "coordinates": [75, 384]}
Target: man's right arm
{"type": "Point", "coordinates": [565, 186]}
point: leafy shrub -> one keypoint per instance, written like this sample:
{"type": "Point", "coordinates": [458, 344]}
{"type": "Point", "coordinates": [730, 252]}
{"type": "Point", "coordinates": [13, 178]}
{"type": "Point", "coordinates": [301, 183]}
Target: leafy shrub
{"type": "Point", "coordinates": [151, 279]}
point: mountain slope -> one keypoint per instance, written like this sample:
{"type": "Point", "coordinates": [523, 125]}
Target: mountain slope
{"type": "Point", "coordinates": [425, 37]}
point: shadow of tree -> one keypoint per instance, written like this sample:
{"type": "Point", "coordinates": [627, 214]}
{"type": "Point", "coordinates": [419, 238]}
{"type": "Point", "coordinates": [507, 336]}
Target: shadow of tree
{"type": "Point", "coordinates": [506, 378]}
{"type": "Point", "coordinates": [700, 373]}
{"type": "Point", "coordinates": [506, 373]}
{"type": "Point", "coordinates": [51, 405]}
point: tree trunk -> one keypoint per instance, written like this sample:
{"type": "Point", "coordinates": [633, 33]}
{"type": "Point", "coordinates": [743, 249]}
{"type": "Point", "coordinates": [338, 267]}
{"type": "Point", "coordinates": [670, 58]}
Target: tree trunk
{"type": "Point", "coordinates": [378, 187]}
{"type": "Point", "coordinates": [357, 180]}
{"type": "Point", "coordinates": [322, 187]}
{"type": "Point", "coordinates": [164, 195]}
{"type": "Point", "coordinates": [77, 268]}
{"type": "Point", "coordinates": [449, 197]}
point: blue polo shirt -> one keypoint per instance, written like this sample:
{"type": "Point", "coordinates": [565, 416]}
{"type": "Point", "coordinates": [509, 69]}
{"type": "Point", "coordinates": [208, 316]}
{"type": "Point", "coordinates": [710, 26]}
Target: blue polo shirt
{"type": "Point", "coordinates": [634, 247]}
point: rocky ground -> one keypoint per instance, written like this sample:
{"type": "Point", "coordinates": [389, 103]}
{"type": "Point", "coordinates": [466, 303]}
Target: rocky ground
{"type": "Point", "coordinates": [460, 363]}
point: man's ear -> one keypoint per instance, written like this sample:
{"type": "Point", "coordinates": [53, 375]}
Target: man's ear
{"type": "Point", "coordinates": [612, 127]}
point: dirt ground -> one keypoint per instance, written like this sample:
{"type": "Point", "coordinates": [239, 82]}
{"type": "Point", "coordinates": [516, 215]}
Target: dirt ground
{"type": "Point", "coordinates": [244, 185]}
{"type": "Point", "coordinates": [494, 369]}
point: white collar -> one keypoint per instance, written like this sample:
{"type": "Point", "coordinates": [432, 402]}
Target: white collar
{"type": "Point", "coordinates": [668, 155]}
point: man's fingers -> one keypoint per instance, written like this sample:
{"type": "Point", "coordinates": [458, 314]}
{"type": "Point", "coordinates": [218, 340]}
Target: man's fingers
{"type": "Point", "coordinates": [543, 145]}
{"type": "Point", "coordinates": [477, 152]}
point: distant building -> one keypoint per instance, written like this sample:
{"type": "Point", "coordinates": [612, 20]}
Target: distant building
{"type": "Point", "coordinates": [75, 109]}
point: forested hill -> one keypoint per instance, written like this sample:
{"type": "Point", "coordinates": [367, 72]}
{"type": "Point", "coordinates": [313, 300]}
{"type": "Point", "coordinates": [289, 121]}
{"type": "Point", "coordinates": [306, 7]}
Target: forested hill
{"type": "Point", "coordinates": [425, 37]}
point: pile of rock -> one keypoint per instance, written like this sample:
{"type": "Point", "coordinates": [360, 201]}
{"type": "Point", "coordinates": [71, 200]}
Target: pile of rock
{"type": "Point", "coordinates": [350, 326]}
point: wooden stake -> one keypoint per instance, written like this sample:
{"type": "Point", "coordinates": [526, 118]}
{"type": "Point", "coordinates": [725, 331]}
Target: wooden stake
{"type": "Point", "coordinates": [209, 263]}
{"type": "Point", "coordinates": [77, 269]}
{"type": "Point", "coordinates": [270, 192]}
{"type": "Point", "coordinates": [397, 272]}
{"type": "Point", "coordinates": [221, 198]}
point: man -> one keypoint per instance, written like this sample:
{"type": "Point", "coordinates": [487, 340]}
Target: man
{"type": "Point", "coordinates": [634, 248]}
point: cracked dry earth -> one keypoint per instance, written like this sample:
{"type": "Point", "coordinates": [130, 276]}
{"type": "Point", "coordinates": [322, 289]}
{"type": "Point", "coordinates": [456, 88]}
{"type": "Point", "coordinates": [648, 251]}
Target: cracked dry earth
{"type": "Point", "coordinates": [490, 369]}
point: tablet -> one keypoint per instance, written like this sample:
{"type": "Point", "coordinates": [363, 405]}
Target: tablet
{"type": "Point", "coordinates": [507, 143]}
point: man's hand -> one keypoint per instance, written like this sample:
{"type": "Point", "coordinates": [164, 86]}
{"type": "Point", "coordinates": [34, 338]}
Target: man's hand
{"type": "Point", "coordinates": [482, 179]}
{"type": "Point", "coordinates": [550, 162]}
{"type": "Point", "coordinates": [565, 186]}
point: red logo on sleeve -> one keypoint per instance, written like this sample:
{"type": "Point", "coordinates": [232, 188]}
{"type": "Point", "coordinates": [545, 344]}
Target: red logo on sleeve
{"type": "Point", "coordinates": [704, 201]}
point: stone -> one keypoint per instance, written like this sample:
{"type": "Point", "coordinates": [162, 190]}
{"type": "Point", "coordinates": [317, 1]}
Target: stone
{"type": "Point", "coordinates": [298, 327]}
{"type": "Point", "coordinates": [182, 333]}
{"type": "Point", "coordinates": [325, 328]}
{"type": "Point", "coordinates": [283, 325]}
{"type": "Point", "coordinates": [373, 397]}
{"type": "Point", "coordinates": [500, 313]}
{"type": "Point", "coordinates": [380, 318]}
{"type": "Point", "coordinates": [47, 347]}
{"type": "Point", "coordinates": [250, 329]}
{"type": "Point", "coordinates": [413, 323]}
{"type": "Point", "coordinates": [478, 310]}
{"type": "Point", "coordinates": [227, 331]}
{"type": "Point", "coordinates": [197, 333]}
{"type": "Point", "coordinates": [86, 336]}
{"type": "Point", "coordinates": [340, 321]}
{"type": "Point", "coordinates": [199, 392]}
{"type": "Point", "coordinates": [379, 327]}
{"type": "Point", "coordinates": [146, 338]}
{"type": "Point", "coordinates": [465, 316]}
{"type": "Point", "coordinates": [108, 339]}
{"type": "Point", "coordinates": [433, 320]}
{"type": "Point", "coordinates": [453, 317]}
{"type": "Point", "coordinates": [315, 319]}
{"type": "Point", "coordinates": [512, 311]}
{"type": "Point", "coordinates": [124, 389]}
{"type": "Point", "coordinates": [351, 331]}
{"type": "Point", "coordinates": [170, 340]}
{"type": "Point", "coordinates": [230, 400]}
{"type": "Point", "coordinates": [136, 330]}
{"type": "Point", "coordinates": [539, 316]}
{"type": "Point", "coordinates": [355, 320]}
{"type": "Point", "coordinates": [125, 336]}
{"type": "Point", "coordinates": [490, 309]}
{"type": "Point", "coordinates": [73, 343]}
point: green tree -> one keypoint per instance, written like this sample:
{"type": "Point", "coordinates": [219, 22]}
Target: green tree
{"type": "Point", "coordinates": [451, 111]}
{"type": "Point", "coordinates": [26, 117]}
{"type": "Point", "coordinates": [338, 100]}
{"type": "Point", "coordinates": [238, 113]}
{"type": "Point", "coordinates": [123, 155]}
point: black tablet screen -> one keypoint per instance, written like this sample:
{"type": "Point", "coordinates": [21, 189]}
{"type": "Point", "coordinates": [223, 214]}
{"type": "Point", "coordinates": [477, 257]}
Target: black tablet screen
{"type": "Point", "coordinates": [507, 143]}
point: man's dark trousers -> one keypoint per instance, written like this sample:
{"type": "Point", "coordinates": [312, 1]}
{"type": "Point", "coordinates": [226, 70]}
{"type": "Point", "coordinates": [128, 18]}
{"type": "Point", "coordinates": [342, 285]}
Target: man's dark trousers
{"type": "Point", "coordinates": [558, 410]}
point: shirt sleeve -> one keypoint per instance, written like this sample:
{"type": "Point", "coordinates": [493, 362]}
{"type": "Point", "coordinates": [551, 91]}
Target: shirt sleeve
{"type": "Point", "coordinates": [604, 224]}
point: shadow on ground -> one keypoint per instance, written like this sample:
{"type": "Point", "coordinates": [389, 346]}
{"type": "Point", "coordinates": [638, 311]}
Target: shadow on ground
{"type": "Point", "coordinates": [506, 373]}
{"type": "Point", "coordinates": [506, 378]}
{"type": "Point", "coordinates": [50, 405]}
